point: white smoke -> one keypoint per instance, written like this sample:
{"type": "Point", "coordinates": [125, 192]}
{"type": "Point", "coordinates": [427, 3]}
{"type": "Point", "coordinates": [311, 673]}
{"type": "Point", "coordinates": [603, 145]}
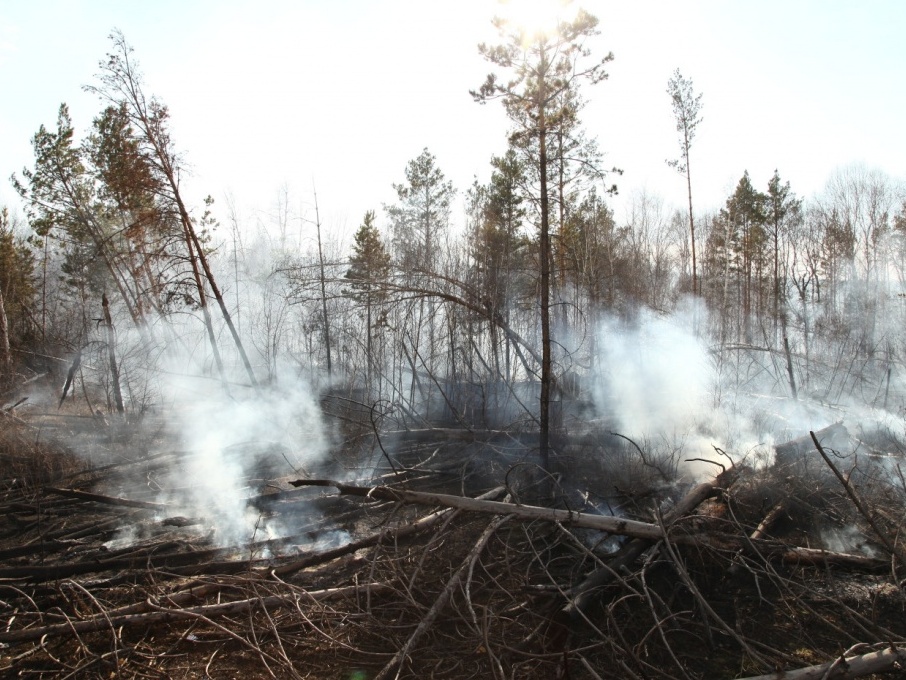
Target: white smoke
{"type": "Point", "coordinates": [659, 382]}
{"type": "Point", "coordinates": [235, 447]}
{"type": "Point", "coordinates": [655, 374]}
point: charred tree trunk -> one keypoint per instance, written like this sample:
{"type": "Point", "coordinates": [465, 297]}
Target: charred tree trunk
{"type": "Point", "coordinates": [545, 257]}
{"type": "Point", "coordinates": [324, 291]}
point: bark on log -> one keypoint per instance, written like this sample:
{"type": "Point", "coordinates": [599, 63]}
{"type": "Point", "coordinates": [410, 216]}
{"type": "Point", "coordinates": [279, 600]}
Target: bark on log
{"type": "Point", "coordinates": [614, 525]}
{"type": "Point", "coordinates": [894, 657]}
{"type": "Point", "coordinates": [813, 557]}
{"type": "Point", "coordinates": [642, 531]}
{"type": "Point", "coordinates": [765, 525]}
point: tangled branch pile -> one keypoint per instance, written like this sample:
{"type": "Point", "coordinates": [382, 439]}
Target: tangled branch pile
{"type": "Point", "coordinates": [781, 567]}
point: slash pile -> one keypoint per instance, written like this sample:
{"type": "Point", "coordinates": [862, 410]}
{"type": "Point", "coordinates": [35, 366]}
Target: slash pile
{"type": "Point", "coordinates": [456, 558]}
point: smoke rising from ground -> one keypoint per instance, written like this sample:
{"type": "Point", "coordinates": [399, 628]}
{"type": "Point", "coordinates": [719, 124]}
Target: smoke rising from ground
{"type": "Point", "coordinates": [236, 447]}
{"type": "Point", "coordinates": [222, 446]}
{"type": "Point", "coordinates": [654, 373]}
{"type": "Point", "coordinates": [663, 385]}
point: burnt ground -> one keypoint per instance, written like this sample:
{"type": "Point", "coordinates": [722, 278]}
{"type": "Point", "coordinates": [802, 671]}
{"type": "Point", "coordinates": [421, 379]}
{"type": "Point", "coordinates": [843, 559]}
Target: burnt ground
{"type": "Point", "coordinates": [121, 584]}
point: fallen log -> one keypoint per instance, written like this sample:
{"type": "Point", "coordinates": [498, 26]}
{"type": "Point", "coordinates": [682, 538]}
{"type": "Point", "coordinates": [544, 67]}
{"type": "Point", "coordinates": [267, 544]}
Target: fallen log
{"type": "Point", "coordinates": [773, 515]}
{"type": "Point", "coordinates": [892, 658]}
{"type": "Point", "coordinates": [814, 557]}
{"type": "Point", "coordinates": [614, 525]}
{"type": "Point", "coordinates": [164, 614]}
{"type": "Point", "coordinates": [642, 531]}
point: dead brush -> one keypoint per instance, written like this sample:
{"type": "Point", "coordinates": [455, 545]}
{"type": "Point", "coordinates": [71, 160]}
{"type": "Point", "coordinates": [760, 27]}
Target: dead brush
{"type": "Point", "coordinates": [807, 502]}
{"type": "Point", "coordinates": [28, 464]}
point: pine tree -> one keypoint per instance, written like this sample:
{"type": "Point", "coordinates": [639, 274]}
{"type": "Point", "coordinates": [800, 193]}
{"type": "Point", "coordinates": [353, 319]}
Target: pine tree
{"type": "Point", "coordinates": [421, 217]}
{"type": "Point", "coordinates": [369, 269]}
{"type": "Point", "coordinates": [545, 69]}
{"type": "Point", "coordinates": [783, 211]}
{"type": "Point", "coordinates": [687, 111]}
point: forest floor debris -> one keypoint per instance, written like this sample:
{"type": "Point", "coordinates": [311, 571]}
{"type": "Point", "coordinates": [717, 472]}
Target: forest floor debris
{"type": "Point", "coordinates": [405, 575]}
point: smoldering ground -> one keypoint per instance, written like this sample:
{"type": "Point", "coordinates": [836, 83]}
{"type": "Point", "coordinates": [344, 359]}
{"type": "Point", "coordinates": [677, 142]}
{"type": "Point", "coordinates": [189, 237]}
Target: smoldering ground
{"type": "Point", "coordinates": [661, 382]}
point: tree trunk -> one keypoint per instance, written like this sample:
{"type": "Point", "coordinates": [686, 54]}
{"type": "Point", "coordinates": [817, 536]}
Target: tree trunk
{"type": "Point", "coordinates": [545, 257]}
{"type": "Point", "coordinates": [323, 291]}
{"type": "Point", "coordinates": [205, 312]}
{"type": "Point", "coordinates": [111, 354]}
{"type": "Point", "coordinates": [5, 357]}
{"type": "Point", "coordinates": [209, 275]}
{"type": "Point", "coordinates": [369, 359]}
{"type": "Point", "coordinates": [691, 219]}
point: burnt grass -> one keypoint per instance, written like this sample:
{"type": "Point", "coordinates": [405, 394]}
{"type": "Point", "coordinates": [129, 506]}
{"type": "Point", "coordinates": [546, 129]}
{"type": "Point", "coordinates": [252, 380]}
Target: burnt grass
{"type": "Point", "coordinates": [682, 610]}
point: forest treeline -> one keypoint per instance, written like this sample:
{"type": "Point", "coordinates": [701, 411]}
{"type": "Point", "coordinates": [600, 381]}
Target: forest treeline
{"type": "Point", "coordinates": [491, 324]}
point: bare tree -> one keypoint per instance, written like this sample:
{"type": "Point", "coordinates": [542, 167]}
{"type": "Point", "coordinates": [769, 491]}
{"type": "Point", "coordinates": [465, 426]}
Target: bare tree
{"type": "Point", "coordinates": [687, 111]}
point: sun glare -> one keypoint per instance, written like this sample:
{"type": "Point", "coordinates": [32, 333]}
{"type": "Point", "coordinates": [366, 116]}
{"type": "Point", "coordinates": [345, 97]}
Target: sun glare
{"type": "Point", "coordinates": [534, 17]}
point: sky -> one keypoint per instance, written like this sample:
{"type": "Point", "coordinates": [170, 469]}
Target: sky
{"type": "Point", "coordinates": [334, 97]}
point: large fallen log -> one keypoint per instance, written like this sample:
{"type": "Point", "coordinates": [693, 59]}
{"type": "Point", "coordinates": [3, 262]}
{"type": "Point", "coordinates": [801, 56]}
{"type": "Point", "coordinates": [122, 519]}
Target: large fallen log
{"type": "Point", "coordinates": [643, 531]}
{"type": "Point", "coordinates": [614, 525]}
{"type": "Point", "coordinates": [892, 658]}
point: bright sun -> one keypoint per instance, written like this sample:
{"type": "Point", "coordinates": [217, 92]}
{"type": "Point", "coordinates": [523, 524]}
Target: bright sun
{"type": "Point", "coordinates": [534, 17]}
